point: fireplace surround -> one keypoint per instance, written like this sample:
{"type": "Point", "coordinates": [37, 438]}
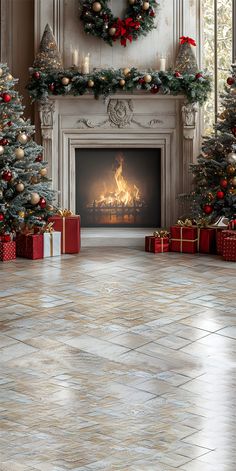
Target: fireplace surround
{"type": "Point", "coordinates": [121, 121]}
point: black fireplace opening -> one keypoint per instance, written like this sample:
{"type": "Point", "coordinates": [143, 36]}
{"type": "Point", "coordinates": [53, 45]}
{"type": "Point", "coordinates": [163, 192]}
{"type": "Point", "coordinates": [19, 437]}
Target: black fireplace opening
{"type": "Point", "coordinates": [118, 187]}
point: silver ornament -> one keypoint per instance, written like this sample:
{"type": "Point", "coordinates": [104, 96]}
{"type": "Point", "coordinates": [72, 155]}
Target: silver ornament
{"type": "Point", "coordinates": [231, 158]}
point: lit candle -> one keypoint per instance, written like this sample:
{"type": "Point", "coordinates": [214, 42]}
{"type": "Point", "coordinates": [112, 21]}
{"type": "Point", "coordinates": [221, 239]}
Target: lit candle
{"type": "Point", "coordinates": [86, 64]}
{"type": "Point", "coordinates": [75, 57]}
{"type": "Point", "coordinates": [162, 63]}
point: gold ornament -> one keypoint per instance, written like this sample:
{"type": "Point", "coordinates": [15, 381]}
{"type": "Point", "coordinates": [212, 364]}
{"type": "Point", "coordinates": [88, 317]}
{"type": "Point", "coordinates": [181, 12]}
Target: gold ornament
{"type": "Point", "coordinates": [1, 72]}
{"type": "Point", "coordinates": [90, 83]}
{"type": "Point", "coordinates": [145, 5]}
{"type": "Point", "coordinates": [1, 150]}
{"type": "Point", "coordinates": [65, 81]}
{"type": "Point", "coordinates": [122, 82]}
{"type": "Point", "coordinates": [43, 172]}
{"type": "Point", "coordinates": [147, 78]}
{"type": "Point", "coordinates": [231, 170]}
{"type": "Point", "coordinates": [22, 138]}
{"type": "Point", "coordinates": [126, 71]}
{"type": "Point", "coordinates": [20, 187]}
{"type": "Point", "coordinates": [97, 7]}
{"type": "Point", "coordinates": [231, 158]}
{"type": "Point", "coordinates": [34, 198]}
{"type": "Point", "coordinates": [112, 31]}
{"type": "Point", "coordinates": [19, 153]}
{"type": "Point", "coordinates": [34, 179]}
{"type": "Point", "coordinates": [21, 214]}
{"type": "Point", "coordinates": [9, 77]}
{"type": "Point", "coordinates": [234, 181]}
{"type": "Point", "coordinates": [50, 207]}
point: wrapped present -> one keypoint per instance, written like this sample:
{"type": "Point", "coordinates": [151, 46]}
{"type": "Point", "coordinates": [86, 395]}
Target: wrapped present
{"type": "Point", "coordinates": [29, 246]}
{"type": "Point", "coordinates": [184, 238]}
{"type": "Point", "coordinates": [232, 224]}
{"type": "Point", "coordinates": [69, 226]}
{"type": "Point", "coordinates": [207, 240]}
{"type": "Point", "coordinates": [7, 251]}
{"type": "Point", "coordinates": [220, 236]}
{"type": "Point", "coordinates": [51, 244]}
{"type": "Point", "coordinates": [229, 249]}
{"type": "Point", "coordinates": [157, 244]}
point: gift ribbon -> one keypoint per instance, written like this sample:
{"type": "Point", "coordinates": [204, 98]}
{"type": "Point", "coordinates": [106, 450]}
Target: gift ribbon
{"type": "Point", "coordinates": [181, 240]}
{"type": "Point", "coordinates": [161, 234]}
{"type": "Point", "coordinates": [186, 223]}
{"type": "Point", "coordinates": [51, 243]}
{"type": "Point", "coordinates": [186, 39]}
{"type": "Point", "coordinates": [65, 213]}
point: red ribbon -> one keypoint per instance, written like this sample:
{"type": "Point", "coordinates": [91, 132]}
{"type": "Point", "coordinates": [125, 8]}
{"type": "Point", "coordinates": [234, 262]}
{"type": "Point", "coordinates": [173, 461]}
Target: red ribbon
{"type": "Point", "coordinates": [124, 29]}
{"type": "Point", "coordinates": [186, 39]}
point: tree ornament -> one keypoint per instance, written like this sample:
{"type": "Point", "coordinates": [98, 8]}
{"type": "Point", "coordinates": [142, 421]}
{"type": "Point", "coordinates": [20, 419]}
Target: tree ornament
{"type": "Point", "coordinates": [48, 57]}
{"type": "Point", "coordinates": [6, 97]}
{"type": "Point", "coordinates": [223, 182]}
{"type": "Point", "coordinates": [50, 207]}
{"type": "Point", "coordinates": [147, 78]}
{"type": "Point", "coordinates": [112, 31]}
{"type": "Point", "coordinates": [145, 6]}
{"type": "Point", "coordinates": [19, 153]}
{"type": "Point", "coordinates": [155, 89]}
{"type": "Point", "coordinates": [42, 203]}
{"type": "Point", "coordinates": [234, 181]}
{"type": "Point", "coordinates": [39, 158]}
{"type": "Point", "coordinates": [1, 72]}
{"type": "Point", "coordinates": [1, 194]}
{"type": "Point", "coordinates": [7, 175]}
{"type": "Point", "coordinates": [220, 195]}
{"type": "Point", "coordinates": [126, 71]}
{"type": "Point", "coordinates": [230, 81]}
{"type": "Point", "coordinates": [34, 179]}
{"type": "Point", "coordinates": [43, 172]}
{"type": "Point", "coordinates": [177, 74]}
{"type": "Point", "coordinates": [198, 76]}
{"type": "Point", "coordinates": [131, 2]}
{"type": "Point", "coordinates": [122, 82]}
{"type": "Point", "coordinates": [231, 170]}
{"type": "Point", "coordinates": [97, 7]}
{"type": "Point", "coordinates": [233, 129]}
{"type": "Point", "coordinates": [35, 198]}
{"type": "Point", "coordinates": [231, 158]}
{"type": "Point", "coordinates": [210, 196]}
{"type": "Point", "coordinates": [4, 141]}
{"type": "Point", "coordinates": [2, 217]}
{"type": "Point", "coordinates": [90, 83]}
{"type": "Point", "coordinates": [36, 75]}
{"type": "Point", "coordinates": [9, 77]}
{"type": "Point", "coordinates": [51, 87]}
{"type": "Point", "coordinates": [21, 214]}
{"type": "Point", "coordinates": [20, 187]}
{"type": "Point", "coordinates": [1, 150]}
{"type": "Point", "coordinates": [207, 208]}
{"type": "Point", "coordinates": [65, 81]}
{"type": "Point", "coordinates": [22, 138]}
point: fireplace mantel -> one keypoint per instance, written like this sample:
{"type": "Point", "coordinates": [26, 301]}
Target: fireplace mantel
{"type": "Point", "coordinates": [123, 120]}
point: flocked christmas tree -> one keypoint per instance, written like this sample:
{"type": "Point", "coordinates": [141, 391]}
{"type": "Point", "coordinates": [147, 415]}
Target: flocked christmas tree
{"type": "Point", "coordinates": [25, 191]}
{"type": "Point", "coordinates": [215, 172]}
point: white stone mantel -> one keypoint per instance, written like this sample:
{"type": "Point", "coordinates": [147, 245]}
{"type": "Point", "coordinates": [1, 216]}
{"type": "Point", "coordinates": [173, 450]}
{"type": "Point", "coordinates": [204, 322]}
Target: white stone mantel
{"type": "Point", "coordinates": [123, 120]}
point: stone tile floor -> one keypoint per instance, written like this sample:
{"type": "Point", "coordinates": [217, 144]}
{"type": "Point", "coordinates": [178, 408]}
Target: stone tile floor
{"type": "Point", "coordinates": [117, 359]}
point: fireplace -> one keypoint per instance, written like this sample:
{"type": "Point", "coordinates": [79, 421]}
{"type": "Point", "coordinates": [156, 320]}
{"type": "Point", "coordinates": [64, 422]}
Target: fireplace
{"type": "Point", "coordinates": [118, 187]}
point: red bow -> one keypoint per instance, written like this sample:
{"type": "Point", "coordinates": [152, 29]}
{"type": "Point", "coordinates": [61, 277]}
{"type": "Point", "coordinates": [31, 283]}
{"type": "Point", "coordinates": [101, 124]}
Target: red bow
{"type": "Point", "coordinates": [124, 29]}
{"type": "Point", "coordinates": [186, 39]}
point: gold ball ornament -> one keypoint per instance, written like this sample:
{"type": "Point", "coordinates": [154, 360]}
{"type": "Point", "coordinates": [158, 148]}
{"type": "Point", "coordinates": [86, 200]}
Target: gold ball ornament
{"type": "Point", "coordinates": [19, 153]}
{"type": "Point", "coordinates": [9, 77]}
{"type": "Point", "coordinates": [112, 31]}
{"type": "Point", "coordinates": [1, 150]}
{"type": "Point", "coordinates": [34, 198]}
{"type": "Point", "coordinates": [122, 82]}
{"type": "Point", "coordinates": [34, 179]}
{"type": "Point", "coordinates": [43, 172]}
{"type": "Point", "coordinates": [231, 158]}
{"type": "Point", "coordinates": [90, 83]}
{"type": "Point", "coordinates": [22, 138]}
{"type": "Point", "coordinates": [65, 81]}
{"type": "Point", "coordinates": [147, 78]}
{"type": "Point", "coordinates": [145, 5]}
{"type": "Point", "coordinates": [231, 170]}
{"type": "Point", "coordinates": [126, 71]}
{"type": "Point", "coordinates": [97, 7]}
{"type": "Point", "coordinates": [234, 181]}
{"type": "Point", "coordinates": [21, 214]}
{"type": "Point", "coordinates": [20, 187]}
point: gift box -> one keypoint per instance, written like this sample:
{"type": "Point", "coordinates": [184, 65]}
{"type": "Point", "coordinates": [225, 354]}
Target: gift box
{"type": "Point", "coordinates": [229, 249]}
{"type": "Point", "coordinates": [207, 240]}
{"type": "Point", "coordinates": [220, 236]}
{"type": "Point", "coordinates": [156, 244]}
{"type": "Point", "coordinates": [51, 244]}
{"type": "Point", "coordinates": [69, 226]}
{"type": "Point", "coordinates": [29, 246]}
{"type": "Point", "coordinates": [184, 239]}
{"type": "Point", "coordinates": [7, 251]}
{"type": "Point", "coordinates": [232, 224]}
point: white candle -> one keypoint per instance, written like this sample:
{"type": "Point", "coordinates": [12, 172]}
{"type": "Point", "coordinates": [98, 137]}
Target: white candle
{"type": "Point", "coordinates": [163, 64]}
{"type": "Point", "coordinates": [75, 57]}
{"type": "Point", "coordinates": [86, 64]}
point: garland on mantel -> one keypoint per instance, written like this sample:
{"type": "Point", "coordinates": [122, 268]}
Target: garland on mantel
{"type": "Point", "coordinates": [106, 82]}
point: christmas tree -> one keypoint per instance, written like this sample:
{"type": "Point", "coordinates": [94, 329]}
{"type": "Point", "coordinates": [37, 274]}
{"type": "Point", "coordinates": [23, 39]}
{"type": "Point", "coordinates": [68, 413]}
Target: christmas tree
{"type": "Point", "coordinates": [25, 191]}
{"type": "Point", "coordinates": [215, 171]}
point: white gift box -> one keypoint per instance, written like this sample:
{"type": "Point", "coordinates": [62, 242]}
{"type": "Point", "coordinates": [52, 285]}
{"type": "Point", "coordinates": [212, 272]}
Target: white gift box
{"type": "Point", "coordinates": [51, 244]}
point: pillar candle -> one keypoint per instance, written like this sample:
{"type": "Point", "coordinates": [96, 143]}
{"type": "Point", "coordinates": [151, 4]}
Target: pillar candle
{"type": "Point", "coordinates": [86, 64]}
{"type": "Point", "coordinates": [75, 57]}
{"type": "Point", "coordinates": [163, 63]}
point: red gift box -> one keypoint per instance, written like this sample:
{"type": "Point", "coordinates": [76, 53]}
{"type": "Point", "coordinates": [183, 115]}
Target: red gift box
{"type": "Point", "coordinates": [69, 226]}
{"type": "Point", "coordinates": [207, 240]}
{"type": "Point", "coordinates": [156, 244]}
{"type": "Point", "coordinates": [7, 251]}
{"type": "Point", "coordinates": [232, 224]}
{"type": "Point", "coordinates": [220, 236]}
{"type": "Point", "coordinates": [29, 246]}
{"type": "Point", "coordinates": [229, 249]}
{"type": "Point", "coordinates": [184, 239]}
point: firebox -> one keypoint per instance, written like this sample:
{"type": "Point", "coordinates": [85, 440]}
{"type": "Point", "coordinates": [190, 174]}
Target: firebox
{"type": "Point", "coordinates": [118, 187]}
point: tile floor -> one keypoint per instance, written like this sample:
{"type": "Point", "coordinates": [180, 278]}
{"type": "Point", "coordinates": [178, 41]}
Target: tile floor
{"type": "Point", "coordinates": [117, 359]}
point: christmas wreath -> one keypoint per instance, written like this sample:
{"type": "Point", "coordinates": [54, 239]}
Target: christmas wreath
{"type": "Point", "coordinates": [99, 20]}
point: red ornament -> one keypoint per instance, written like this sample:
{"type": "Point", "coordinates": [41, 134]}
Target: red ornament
{"type": "Point", "coordinates": [220, 195]}
{"type": "Point", "coordinates": [207, 208]}
{"type": "Point", "coordinates": [141, 81]}
{"type": "Point", "coordinates": [155, 89]}
{"type": "Point", "coordinates": [7, 175]}
{"type": "Point", "coordinates": [233, 129]}
{"type": "Point", "coordinates": [178, 74]}
{"type": "Point", "coordinates": [39, 158]}
{"type": "Point", "coordinates": [36, 75]}
{"type": "Point", "coordinates": [1, 217]}
{"type": "Point", "coordinates": [198, 76]}
{"type": "Point", "coordinates": [42, 203]}
{"type": "Point", "coordinates": [51, 87]}
{"type": "Point", "coordinates": [6, 97]}
{"type": "Point", "coordinates": [152, 13]}
{"type": "Point", "coordinates": [4, 142]}
{"type": "Point", "coordinates": [10, 123]}
{"type": "Point", "coordinates": [230, 80]}
{"type": "Point", "coordinates": [223, 183]}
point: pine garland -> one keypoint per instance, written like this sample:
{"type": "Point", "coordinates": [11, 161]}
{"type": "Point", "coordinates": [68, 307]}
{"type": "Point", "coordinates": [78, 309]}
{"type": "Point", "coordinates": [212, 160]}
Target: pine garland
{"type": "Point", "coordinates": [110, 81]}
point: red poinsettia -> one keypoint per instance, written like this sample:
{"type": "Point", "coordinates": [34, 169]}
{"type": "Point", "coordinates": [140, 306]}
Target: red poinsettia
{"type": "Point", "coordinates": [124, 30]}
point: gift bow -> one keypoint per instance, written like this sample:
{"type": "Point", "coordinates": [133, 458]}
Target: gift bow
{"type": "Point", "coordinates": [186, 39]}
{"type": "Point", "coordinates": [186, 223]}
{"type": "Point", "coordinates": [161, 234]}
{"type": "Point", "coordinates": [64, 213]}
{"type": "Point", "coordinates": [124, 29]}
{"type": "Point", "coordinates": [49, 228]}
{"type": "Point", "coordinates": [201, 222]}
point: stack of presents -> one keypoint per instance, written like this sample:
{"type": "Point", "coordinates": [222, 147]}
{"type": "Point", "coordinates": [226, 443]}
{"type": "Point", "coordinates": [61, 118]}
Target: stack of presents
{"type": "Point", "coordinates": [188, 237]}
{"type": "Point", "coordinates": [60, 236]}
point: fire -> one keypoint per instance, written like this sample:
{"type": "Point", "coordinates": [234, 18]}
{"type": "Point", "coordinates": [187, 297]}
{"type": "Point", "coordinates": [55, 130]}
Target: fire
{"type": "Point", "coordinates": [124, 194]}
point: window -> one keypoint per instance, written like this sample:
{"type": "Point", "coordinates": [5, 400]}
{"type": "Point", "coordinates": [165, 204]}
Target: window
{"type": "Point", "coordinates": [217, 51]}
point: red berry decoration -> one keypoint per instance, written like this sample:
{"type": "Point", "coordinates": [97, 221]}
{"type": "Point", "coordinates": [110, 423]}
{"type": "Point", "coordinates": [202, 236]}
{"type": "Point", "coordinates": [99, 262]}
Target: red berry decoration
{"type": "Point", "coordinates": [198, 76]}
{"type": "Point", "coordinates": [207, 208]}
{"type": "Point", "coordinates": [178, 74]}
{"type": "Point", "coordinates": [36, 75]}
{"type": "Point", "coordinates": [223, 183]}
{"type": "Point", "coordinates": [155, 89]}
{"type": "Point", "coordinates": [1, 217]}
{"type": "Point", "coordinates": [39, 158]}
{"type": "Point", "coordinates": [6, 97]}
{"type": "Point", "coordinates": [4, 142]}
{"type": "Point", "coordinates": [42, 203]}
{"type": "Point", "coordinates": [220, 195]}
{"type": "Point", "coordinates": [7, 175]}
{"type": "Point", "coordinates": [230, 80]}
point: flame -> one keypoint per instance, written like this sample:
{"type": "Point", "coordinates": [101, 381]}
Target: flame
{"type": "Point", "coordinates": [123, 194]}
